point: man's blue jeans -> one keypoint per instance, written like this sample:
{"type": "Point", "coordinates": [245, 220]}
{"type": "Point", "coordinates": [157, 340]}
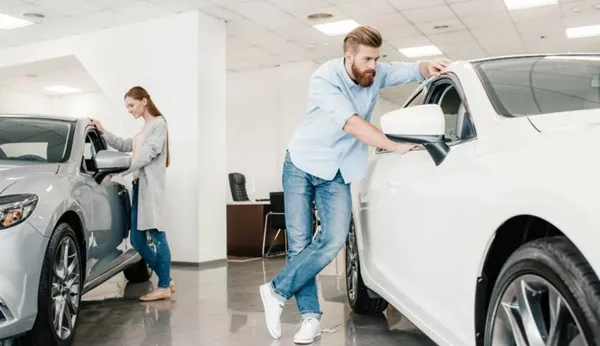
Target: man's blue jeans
{"type": "Point", "coordinates": [307, 258]}
{"type": "Point", "coordinates": [159, 260]}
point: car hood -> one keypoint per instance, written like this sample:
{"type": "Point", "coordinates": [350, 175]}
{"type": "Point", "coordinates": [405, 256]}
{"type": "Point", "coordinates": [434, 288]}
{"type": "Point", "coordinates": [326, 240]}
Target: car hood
{"type": "Point", "coordinates": [11, 172]}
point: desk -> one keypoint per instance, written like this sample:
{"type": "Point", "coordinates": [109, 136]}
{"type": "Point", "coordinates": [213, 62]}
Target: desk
{"type": "Point", "coordinates": [245, 227]}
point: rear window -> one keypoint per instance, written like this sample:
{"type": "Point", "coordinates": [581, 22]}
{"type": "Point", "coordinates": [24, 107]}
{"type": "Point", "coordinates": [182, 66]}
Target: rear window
{"type": "Point", "coordinates": [34, 140]}
{"type": "Point", "coordinates": [542, 84]}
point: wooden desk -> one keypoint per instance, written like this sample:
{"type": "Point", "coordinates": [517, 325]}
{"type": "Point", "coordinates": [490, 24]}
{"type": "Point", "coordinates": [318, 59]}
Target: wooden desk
{"type": "Point", "coordinates": [245, 227]}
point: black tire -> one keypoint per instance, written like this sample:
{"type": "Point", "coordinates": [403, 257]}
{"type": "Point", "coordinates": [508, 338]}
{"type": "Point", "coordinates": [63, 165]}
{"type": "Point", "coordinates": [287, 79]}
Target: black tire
{"type": "Point", "coordinates": [43, 332]}
{"type": "Point", "coordinates": [360, 300]}
{"type": "Point", "coordinates": [556, 264]}
{"type": "Point", "coordinates": [138, 272]}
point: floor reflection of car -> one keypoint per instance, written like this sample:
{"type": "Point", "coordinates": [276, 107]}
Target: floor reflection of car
{"type": "Point", "coordinates": [64, 227]}
{"type": "Point", "coordinates": [489, 234]}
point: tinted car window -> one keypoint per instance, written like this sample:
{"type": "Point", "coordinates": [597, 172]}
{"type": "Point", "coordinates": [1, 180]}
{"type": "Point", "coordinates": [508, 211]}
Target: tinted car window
{"type": "Point", "coordinates": [34, 140]}
{"type": "Point", "coordinates": [543, 84]}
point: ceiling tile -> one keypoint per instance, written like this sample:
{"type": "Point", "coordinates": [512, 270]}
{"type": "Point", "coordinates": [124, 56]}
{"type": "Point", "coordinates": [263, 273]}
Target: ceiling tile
{"type": "Point", "coordinates": [430, 27]}
{"type": "Point", "coordinates": [141, 10]}
{"type": "Point", "coordinates": [550, 13]}
{"type": "Point", "coordinates": [359, 8]}
{"type": "Point", "coordinates": [507, 49]}
{"type": "Point", "coordinates": [268, 38]}
{"type": "Point", "coordinates": [541, 30]}
{"type": "Point", "coordinates": [478, 7]}
{"type": "Point", "coordinates": [266, 13]}
{"type": "Point", "coordinates": [451, 37]}
{"type": "Point", "coordinates": [182, 5]}
{"type": "Point", "coordinates": [245, 27]}
{"type": "Point", "coordinates": [291, 6]}
{"type": "Point", "coordinates": [221, 13]}
{"type": "Point", "coordinates": [548, 46]}
{"type": "Point", "coordinates": [412, 4]}
{"type": "Point", "coordinates": [424, 15]}
{"type": "Point", "coordinates": [495, 33]}
{"type": "Point", "coordinates": [379, 21]}
{"type": "Point", "coordinates": [584, 45]}
{"type": "Point", "coordinates": [486, 20]}
{"type": "Point", "coordinates": [463, 50]}
{"type": "Point", "coordinates": [586, 6]}
{"type": "Point", "coordinates": [69, 7]}
{"type": "Point", "coordinates": [581, 19]}
{"type": "Point", "coordinates": [390, 33]}
{"type": "Point", "coordinates": [234, 43]}
{"type": "Point", "coordinates": [410, 42]}
{"type": "Point", "coordinates": [336, 12]}
{"type": "Point", "coordinates": [304, 36]}
{"type": "Point", "coordinates": [288, 51]}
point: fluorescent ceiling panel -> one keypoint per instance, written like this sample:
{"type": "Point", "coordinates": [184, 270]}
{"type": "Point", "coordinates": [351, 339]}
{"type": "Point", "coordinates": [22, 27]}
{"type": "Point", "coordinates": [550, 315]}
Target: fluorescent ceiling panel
{"type": "Point", "coordinates": [415, 52]}
{"type": "Point", "coordinates": [9, 23]}
{"type": "Point", "coordinates": [62, 89]}
{"type": "Point", "coordinates": [522, 4]}
{"type": "Point", "coordinates": [583, 31]}
{"type": "Point", "coordinates": [337, 28]}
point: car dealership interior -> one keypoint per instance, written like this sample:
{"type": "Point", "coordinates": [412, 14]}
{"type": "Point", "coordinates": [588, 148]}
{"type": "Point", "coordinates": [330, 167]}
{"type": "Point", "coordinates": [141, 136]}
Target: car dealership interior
{"type": "Point", "coordinates": [481, 234]}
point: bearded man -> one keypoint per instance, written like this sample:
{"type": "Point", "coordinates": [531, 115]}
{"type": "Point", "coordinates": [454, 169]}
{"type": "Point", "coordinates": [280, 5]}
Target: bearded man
{"type": "Point", "coordinates": [327, 152]}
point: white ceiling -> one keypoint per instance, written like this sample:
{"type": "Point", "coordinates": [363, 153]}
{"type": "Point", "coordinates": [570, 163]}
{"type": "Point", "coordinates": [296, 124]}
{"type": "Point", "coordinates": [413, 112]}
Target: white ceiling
{"type": "Point", "coordinates": [265, 33]}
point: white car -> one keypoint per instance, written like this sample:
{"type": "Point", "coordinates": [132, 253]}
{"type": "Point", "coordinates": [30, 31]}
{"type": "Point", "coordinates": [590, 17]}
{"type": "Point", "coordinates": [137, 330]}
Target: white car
{"type": "Point", "coordinates": [490, 235]}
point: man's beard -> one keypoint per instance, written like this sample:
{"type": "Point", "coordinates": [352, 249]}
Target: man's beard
{"type": "Point", "coordinates": [363, 78]}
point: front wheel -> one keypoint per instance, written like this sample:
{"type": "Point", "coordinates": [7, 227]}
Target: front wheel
{"type": "Point", "coordinates": [358, 294]}
{"type": "Point", "coordinates": [59, 293]}
{"type": "Point", "coordinates": [546, 294]}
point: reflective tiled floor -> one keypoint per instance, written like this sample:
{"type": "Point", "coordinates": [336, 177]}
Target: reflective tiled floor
{"type": "Point", "coordinates": [221, 306]}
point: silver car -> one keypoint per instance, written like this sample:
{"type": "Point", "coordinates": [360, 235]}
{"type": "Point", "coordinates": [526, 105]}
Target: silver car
{"type": "Point", "coordinates": [64, 225]}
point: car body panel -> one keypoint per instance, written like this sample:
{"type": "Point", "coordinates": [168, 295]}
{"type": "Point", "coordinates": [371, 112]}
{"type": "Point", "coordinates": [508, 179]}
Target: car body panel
{"type": "Point", "coordinates": [102, 211]}
{"type": "Point", "coordinates": [423, 231]}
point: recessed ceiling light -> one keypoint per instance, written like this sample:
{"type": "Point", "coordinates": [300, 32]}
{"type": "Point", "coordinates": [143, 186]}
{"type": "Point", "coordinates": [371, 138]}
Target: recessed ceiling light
{"type": "Point", "coordinates": [9, 22]}
{"type": "Point", "coordinates": [61, 89]}
{"type": "Point", "coordinates": [522, 4]}
{"type": "Point", "coordinates": [337, 28]}
{"type": "Point", "coordinates": [319, 16]}
{"type": "Point", "coordinates": [583, 31]}
{"type": "Point", "coordinates": [414, 52]}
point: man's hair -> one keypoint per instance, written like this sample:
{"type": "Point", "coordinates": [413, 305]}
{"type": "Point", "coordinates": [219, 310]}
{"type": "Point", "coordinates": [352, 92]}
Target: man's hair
{"type": "Point", "coordinates": [365, 35]}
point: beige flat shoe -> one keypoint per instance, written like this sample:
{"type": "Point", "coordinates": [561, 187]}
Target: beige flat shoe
{"type": "Point", "coordinates": [172, 286]}
{"type": "Point", "coordinates": [157, 294]}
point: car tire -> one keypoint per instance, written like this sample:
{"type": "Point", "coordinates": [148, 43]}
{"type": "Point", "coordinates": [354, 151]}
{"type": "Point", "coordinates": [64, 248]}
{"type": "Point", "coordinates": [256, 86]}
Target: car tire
{"type": "Point", "coordinates": [358, 294]}
{"type": "Point", "coordinates": [138, 272]}
{"type": "Point", "coordinates": [544, 268]}
{"type": "Point", "coordinates": [43, 332]}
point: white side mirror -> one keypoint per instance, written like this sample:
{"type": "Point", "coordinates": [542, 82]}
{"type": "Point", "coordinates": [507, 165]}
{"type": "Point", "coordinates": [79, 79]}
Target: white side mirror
{"type": "Point", "coordinates": [417, 121]}
{"type": "Point", "coordinates": [424, 124]}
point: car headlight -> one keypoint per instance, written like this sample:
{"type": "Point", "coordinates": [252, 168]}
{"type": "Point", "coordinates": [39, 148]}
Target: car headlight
{"type": "Point", "coordinates": [15, 209]}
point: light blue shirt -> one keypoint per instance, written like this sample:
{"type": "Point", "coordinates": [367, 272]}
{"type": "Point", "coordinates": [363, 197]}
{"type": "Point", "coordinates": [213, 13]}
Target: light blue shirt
{"type": "Point", "coordinates": [320, 146]}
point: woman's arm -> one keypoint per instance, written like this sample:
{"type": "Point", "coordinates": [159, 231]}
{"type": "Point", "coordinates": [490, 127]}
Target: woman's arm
{"type": "Point", "coordinates": [151, 147]}
{"type": "Point", "coordinates": [121, 144]}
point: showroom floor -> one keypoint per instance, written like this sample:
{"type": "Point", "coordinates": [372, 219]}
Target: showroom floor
{"type": "Point", "coordinates": [221, 306]}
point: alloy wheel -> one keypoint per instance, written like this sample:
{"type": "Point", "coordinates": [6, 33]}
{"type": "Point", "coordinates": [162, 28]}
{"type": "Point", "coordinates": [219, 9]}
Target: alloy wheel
{"type": "Point", "coordinates": [532, 312]}
{"type": "Point", "coordinates": [66, 283]}
{"type": "Point", "coordinates": [352, 264]}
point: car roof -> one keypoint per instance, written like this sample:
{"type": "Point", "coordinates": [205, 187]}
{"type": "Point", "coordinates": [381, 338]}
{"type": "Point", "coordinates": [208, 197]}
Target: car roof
{"type": "Point", "coordinates": [40, 116]}
{"type": "Point", "coordinates": [504, 57]}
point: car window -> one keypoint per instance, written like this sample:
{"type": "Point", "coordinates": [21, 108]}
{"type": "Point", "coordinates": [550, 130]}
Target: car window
{"type": "Point", "coordinates": [92, 146]}
{"type": "Point", "coordinates": [35, 140]}
{"type": "Point", "coordinates": [459, 125]}
{"type": "Point", "coordinates": [542, 84]}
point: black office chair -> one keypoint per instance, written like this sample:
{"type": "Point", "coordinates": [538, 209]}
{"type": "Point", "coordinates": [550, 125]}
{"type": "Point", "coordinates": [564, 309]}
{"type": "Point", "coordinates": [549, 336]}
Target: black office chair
{"type": "Point", "coordinates": [237, 184]}
{"type": "Point", "coordinates": [276, 219]}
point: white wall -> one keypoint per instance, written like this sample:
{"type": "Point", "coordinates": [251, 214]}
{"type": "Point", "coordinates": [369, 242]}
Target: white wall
{"type": "Point", "coordinates": [263, 109]}
{"type": "Point", "coordinates": [20, 102]}
{"type": "Point", "coordinates": [173, 61]}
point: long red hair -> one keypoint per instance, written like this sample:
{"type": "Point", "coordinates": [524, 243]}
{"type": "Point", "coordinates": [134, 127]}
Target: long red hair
{"type": "Point", "coordinates": [138, 93]}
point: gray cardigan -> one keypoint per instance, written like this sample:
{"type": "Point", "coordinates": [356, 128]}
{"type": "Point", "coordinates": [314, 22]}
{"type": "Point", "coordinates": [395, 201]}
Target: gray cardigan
{"type": "Point", "coordinates": [151, 160]}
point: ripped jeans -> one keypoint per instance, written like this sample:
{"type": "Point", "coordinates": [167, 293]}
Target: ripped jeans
{"type": "Point", "coordinates": [159, 260]}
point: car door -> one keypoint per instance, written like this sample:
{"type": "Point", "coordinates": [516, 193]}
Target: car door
{"type": "Point", "coordinates": [424, 221]}
{"type": "Point", "coordinates": [373, 208]}
{"type": "Point", "coordinates": [109, 202]}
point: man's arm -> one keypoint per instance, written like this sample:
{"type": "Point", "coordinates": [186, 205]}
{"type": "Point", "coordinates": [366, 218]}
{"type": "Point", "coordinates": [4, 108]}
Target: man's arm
{"type": "Point", "coordinates": [365, 132]}
{"type": "Point", "coordinates": [399, 73]}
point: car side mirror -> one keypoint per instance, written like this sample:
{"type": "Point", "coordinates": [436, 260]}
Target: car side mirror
{"type": "Point", "coordinates": [423, 124]}
{"type": "Point", "coordinates": [111, 162]}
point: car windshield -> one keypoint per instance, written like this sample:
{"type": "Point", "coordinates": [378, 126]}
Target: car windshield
{"type": "Point", "coordinates": [542, 84]}
{"type": "Point", "coordinates": [34, 140]}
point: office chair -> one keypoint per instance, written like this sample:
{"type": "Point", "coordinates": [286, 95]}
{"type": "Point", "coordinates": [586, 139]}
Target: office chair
{"type": "Point", "coordinates": [277, 220]}
{"type": "Point", "coordinates": [237, 184]}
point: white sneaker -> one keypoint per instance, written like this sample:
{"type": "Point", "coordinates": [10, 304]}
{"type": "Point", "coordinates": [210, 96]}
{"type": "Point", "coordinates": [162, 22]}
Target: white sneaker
{"type": "Point", "coordinates": [309, 332]}
{"type": "Point", "coordinates": [273, 308]}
